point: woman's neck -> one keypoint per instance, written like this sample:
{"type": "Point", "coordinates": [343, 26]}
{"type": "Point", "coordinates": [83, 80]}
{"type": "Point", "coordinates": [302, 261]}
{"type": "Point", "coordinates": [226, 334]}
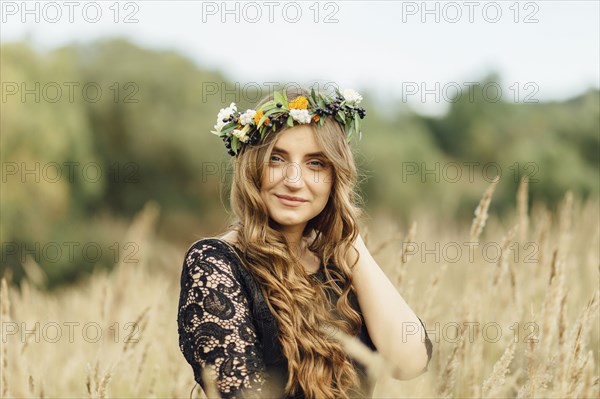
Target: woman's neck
{"type": "Point", "coordinates": [296, 241]}
{"type": "Point", "coordinates": [299, 246]}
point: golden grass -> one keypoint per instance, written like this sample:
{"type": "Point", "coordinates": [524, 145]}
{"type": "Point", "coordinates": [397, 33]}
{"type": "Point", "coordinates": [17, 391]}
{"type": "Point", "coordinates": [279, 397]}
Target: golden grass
{"type": "Point", "coordinates": [540, 292]}
{"type": "Point", "coordinates": [481, 212]}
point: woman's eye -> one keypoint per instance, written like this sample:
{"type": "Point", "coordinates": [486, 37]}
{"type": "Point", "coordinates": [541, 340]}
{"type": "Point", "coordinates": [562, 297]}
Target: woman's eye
{"type": "Point", "coordinates": [275, 158]}
{"type": "Point", "coordinates": [317, 163]}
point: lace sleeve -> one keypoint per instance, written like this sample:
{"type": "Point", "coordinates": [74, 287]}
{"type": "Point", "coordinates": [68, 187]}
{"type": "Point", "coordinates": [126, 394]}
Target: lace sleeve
{"type": "Point", "coordinates": [215, 325]}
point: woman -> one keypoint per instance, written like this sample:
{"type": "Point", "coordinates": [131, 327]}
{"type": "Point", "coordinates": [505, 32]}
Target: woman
{"type": "Point", "coordinates": [255, 300]}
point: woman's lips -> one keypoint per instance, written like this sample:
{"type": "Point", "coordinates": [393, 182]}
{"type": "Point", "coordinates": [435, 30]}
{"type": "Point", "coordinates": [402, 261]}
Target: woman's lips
{"type": "Point", "coordinates": [289, 202]}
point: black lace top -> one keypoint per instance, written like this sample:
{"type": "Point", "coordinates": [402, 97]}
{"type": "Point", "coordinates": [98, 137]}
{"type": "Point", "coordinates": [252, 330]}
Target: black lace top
{"type": "Point", "coordinates": [223, 320]}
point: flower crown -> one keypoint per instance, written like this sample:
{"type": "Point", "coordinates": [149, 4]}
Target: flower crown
{"type": "Point", "coordinates": [250, 127]}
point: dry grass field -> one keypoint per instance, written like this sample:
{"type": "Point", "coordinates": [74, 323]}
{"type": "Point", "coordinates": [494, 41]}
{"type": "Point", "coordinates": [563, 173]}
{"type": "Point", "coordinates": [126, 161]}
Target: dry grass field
{"type": "Point", "coordinates": [511, 305]}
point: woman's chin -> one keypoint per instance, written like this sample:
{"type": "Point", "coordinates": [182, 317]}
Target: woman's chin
{"type": "Point", "coordinates": [285, 221]}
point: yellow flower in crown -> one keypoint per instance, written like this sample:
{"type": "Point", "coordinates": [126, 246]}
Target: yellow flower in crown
{"type": "Point", "coordinates": [299, 103]}
{"type": "Point", "coordinates": [259, 114]}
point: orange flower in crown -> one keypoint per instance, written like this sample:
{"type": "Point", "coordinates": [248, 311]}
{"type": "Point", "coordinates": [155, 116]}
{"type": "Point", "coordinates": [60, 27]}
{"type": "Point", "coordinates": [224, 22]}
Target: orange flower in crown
{"type": "Point", "coordinates": [259, 115]}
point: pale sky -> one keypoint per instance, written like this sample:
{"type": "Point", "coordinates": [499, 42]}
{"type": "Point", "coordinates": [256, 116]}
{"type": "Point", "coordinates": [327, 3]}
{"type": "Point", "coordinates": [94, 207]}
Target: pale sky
{"type": "Point", "coordinates": [545, 49]}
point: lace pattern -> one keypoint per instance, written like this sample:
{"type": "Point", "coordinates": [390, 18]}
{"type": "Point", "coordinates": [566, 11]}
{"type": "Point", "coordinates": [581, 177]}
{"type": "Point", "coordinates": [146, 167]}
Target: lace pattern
{"type": "Point", "coordinates": [215, 326]}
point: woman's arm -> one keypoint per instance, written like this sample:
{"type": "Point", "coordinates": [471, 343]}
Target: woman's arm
{"type": "Point", "coordinates": [394, 328]}
{"type": "Point", "coordinates": [215, 324]}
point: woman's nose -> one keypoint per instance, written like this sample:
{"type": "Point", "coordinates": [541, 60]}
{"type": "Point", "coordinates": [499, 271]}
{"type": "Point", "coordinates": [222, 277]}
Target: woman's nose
{"type": "Point", "coordinates": [292, 175]}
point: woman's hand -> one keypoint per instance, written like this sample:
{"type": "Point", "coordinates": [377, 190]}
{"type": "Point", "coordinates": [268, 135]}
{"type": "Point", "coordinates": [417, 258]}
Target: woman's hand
{"type": "Point", "coordinates": [394, 328]}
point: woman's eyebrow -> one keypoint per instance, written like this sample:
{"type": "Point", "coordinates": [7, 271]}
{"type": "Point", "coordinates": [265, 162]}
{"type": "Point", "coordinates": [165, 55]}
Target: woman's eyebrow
{"type": "Point", "coordinates": [312, 154]}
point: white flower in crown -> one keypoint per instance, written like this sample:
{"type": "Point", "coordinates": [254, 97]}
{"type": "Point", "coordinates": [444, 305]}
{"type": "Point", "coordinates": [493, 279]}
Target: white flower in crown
{"type": "Point", "coordinates": [352, 96]}
{"type": "Point", "coordinates": [224, 113]}
{"type": "Point", "coordinates": [242, 134]}
{"type": "Point", "coordinates": [247, 117]}
{"type": "Point", "coordinates": [219, 126]}
{"type": "Point", "coordinates": [300, 115]}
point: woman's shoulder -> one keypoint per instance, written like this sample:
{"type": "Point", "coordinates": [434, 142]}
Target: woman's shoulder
{"type": "Point", "coordinates": [212, 243]}
{"type": "Point", "coordinates": [225, 241]}
{"type": "Point", "coordinates": [213, 250]}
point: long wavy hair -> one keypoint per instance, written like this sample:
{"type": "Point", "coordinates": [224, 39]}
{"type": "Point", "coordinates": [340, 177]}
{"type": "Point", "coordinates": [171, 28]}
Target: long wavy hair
{"type": "Point", "coordinates": [317, 364]}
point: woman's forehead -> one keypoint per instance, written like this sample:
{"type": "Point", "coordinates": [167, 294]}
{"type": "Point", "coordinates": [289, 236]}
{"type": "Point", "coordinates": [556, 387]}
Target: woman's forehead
{"type": "Point", "coordinates": [299, 139]}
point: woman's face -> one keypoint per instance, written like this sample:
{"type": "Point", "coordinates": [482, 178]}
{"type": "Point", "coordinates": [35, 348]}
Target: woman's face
{"type": "Point", "coordinates": [296, 169]}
